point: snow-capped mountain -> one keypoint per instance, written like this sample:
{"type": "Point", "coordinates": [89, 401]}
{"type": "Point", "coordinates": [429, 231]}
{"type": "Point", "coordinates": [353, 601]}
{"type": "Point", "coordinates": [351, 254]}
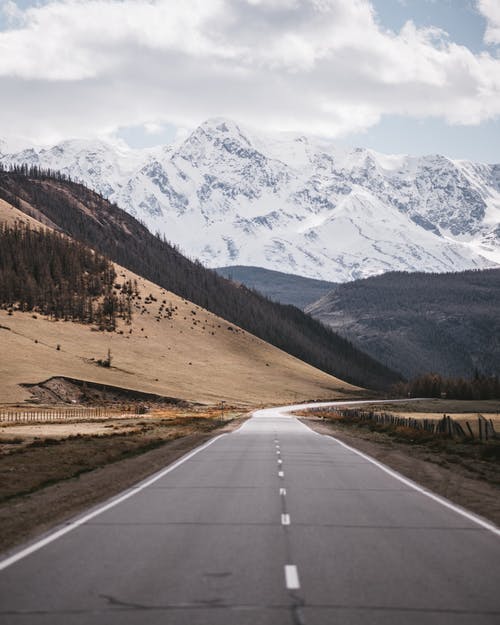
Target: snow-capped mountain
{"type": "Point", "coordinates": [231, 196]}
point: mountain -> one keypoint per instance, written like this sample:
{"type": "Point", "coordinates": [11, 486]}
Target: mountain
{"type": "Point", "coordinates": [230, 196]}
{"type": "Point", "coordinates": [416, 323]}
{"type": "Point", "coordinates": [92, 220]}
{"type": "Point", "coordinates": [278, 286]}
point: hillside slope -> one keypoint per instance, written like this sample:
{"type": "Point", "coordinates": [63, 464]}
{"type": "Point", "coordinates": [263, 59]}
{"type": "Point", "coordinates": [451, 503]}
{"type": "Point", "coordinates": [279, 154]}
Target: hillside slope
{"type": "Point", "coordinates": [285, 288]}
{"type": "Point", "coordinates": [189, 354]}
{"type": "Point", "coordinates": [447, 323]}
{"type": "Point", "coordinates": [92, 220]}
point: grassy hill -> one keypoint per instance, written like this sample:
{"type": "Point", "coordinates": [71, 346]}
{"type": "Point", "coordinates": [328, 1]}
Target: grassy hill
{"type": "Point", "coordinates": [418, 322]}
{"type": "Point", "coordinates": [280, 287]}
{"type": "Point", "coordinates": [171, 347]}
{"type": "Point", "coordinates": [87, 217]}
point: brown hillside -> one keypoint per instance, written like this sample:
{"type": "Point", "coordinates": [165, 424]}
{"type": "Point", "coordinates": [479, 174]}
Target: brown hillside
{"type": "Point", "coordinates": [194, 355]}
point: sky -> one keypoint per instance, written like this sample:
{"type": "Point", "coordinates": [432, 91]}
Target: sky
{"type": "Point", "coordinates": [398, 76]}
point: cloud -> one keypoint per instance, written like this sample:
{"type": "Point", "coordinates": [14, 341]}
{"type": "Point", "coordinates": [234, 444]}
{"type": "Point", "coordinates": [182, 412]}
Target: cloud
{"type": "Point", "coordinates": [491, 11]}
{"type": "Point", "coordinates": [74, 67]}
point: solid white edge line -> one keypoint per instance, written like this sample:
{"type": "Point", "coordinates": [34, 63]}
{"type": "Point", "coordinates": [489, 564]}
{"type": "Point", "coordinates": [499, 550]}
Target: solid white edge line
{"type": "Point", "coordinates": [291, 577]}
{"type": "Point", "coordinates": [289, 410]}
{"type": "Point", "coordinates": [442, 500]}
{"type": "Point", "coordinates": [107, 506]}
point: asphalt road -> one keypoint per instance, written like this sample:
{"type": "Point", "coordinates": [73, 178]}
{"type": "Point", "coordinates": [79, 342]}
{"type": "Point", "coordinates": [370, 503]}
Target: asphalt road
{"type": "Point", "coordinates": [272, 524]}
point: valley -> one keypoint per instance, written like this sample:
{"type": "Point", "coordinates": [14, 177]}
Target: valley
{"type": "Point", "coordinates": [249, 312]}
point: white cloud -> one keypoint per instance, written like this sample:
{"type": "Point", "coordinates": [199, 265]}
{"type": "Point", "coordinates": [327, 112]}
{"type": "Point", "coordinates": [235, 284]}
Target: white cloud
{"type": "Point", "coordinates": [152, 128]}
{"type": "Point", "coordinates": [491, 11]}
{"type": "Point", "coordinates": [74, 67]}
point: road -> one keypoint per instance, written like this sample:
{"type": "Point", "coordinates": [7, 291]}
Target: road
{"type": "Point", "coordinates": [270, 525]}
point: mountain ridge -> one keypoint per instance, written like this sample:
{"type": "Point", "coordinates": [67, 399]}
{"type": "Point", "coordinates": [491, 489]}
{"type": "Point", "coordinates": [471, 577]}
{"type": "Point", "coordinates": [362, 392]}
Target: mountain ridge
{"type": "Point", "coordinates": [230, 196]}
{"type": "Point", "coordinates": [419, 323]}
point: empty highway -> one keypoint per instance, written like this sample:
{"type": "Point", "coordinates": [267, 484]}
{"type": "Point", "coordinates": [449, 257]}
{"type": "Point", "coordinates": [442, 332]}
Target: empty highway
{"type": "Point", "coordinates": [270, 525]}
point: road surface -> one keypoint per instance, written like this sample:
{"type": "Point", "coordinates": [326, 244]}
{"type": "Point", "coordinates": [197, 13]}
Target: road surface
{"type": "Point", "coordinates": [270, 525]}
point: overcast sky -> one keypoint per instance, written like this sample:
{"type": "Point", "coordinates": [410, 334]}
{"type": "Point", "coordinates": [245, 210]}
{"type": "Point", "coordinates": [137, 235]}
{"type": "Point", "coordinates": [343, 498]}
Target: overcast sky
{"type": "Point", "coordinates": [415, 76]}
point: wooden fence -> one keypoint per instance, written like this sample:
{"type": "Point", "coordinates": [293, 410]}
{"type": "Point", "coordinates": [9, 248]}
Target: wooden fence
{"type": "Point", "coordinates": [16, 415]}
{"type": "Point", "coordinates": [446, 427]}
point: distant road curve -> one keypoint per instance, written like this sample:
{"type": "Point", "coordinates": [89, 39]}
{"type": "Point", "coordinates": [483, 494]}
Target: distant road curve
{"type": "Point", "coordinates": [270, 524]}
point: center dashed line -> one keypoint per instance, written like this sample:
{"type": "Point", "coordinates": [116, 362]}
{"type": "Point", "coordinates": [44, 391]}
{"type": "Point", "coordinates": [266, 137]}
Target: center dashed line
{"type": "Point", "coordinates": [292, 577]}
{"type": "Point", "coordinates": [283, 491]}
{"type": "Point", "coordinates": [285, 519]}
{"type": "Point", "coordinates": [281, 474]}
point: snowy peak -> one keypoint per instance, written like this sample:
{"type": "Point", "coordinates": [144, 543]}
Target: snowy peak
{"type": "Point", "coordinates": [228, 195]}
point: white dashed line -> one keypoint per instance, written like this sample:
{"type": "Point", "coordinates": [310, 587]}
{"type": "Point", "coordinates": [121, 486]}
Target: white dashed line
{"type": "Point", "coordinates": [283, 491]}
{"type": "Point", "coordinates": [280, 461]}
{"type": "Point", "coordinates": [291, 577]}
{"type": "Point", "coordinates": [285, 519]}
{"type": "Point", "coordinates": [281, 474]}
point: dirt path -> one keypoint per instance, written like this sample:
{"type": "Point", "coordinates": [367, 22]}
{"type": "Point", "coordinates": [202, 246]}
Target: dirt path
{"type": "Point", "coordinates": [435, 471]}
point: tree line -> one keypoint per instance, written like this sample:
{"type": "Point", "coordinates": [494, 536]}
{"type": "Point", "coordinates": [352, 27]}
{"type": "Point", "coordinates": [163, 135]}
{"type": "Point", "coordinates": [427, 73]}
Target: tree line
{"type": "Point", "coordinates": [435, 385]}
{"type": "Point", "coordinates": [45, 272]}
